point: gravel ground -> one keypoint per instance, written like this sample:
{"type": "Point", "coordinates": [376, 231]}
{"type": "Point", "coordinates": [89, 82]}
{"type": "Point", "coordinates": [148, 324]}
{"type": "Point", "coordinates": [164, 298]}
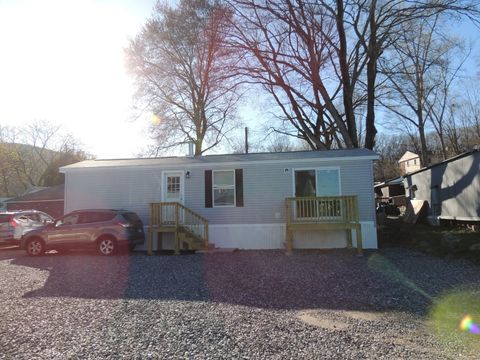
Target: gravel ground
{"type": "Point", "coordinates": [242, 305]}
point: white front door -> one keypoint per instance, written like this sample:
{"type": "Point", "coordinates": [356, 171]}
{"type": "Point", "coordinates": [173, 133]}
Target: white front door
{"type": "Point", "coordinates": [172, 192]}
{"type": "Point", "coordinates": [173, 186]}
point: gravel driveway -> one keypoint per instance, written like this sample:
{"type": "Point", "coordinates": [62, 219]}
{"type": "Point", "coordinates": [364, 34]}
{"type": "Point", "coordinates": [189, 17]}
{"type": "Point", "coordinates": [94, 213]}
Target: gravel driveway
{"type": "Point", "coordinates": [249, 304]}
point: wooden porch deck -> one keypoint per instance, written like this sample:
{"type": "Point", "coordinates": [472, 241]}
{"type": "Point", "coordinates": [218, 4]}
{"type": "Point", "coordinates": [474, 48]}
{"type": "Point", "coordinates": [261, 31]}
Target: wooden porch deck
{"type": "Point", "coordinates": [323, 213]}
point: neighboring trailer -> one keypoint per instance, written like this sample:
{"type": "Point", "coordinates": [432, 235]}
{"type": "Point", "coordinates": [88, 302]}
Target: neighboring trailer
{"type": "Point", "coordinates": [452, 188]}
{"type": "Point", "coordinates": [242, 196]}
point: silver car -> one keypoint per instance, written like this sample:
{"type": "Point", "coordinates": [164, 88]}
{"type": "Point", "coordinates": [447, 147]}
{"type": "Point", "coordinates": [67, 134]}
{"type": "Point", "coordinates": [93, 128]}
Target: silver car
{"type": "Point", "coordinates": [15, 224]}
{"type": "Point", "coordinates": [106, 230]}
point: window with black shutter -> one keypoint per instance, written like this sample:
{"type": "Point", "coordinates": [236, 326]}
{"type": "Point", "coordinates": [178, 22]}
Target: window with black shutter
{"type": "Point", "coordinates": [224, 188]}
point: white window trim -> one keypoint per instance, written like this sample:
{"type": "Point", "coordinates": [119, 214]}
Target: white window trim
{"type": "Point", "coordinates": [315, 169]}
{"type": "Point", "coordinates": [234, 189]}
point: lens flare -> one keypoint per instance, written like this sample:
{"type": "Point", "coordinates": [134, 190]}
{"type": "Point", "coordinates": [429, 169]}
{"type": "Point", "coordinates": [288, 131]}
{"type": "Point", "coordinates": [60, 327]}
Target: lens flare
{"type": "Point", "coordinates": [467, 324]}
{"type": "Point", "coordinates": [155, 119]}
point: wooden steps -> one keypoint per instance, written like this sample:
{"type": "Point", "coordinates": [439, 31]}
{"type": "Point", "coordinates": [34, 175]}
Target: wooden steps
{"type": "Point", "coordinates": [189, 228]}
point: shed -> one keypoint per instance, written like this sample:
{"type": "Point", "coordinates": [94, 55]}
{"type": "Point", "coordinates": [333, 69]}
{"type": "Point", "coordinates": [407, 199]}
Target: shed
{"type": "Point", "coordinates": [49, 200]}
{"type": "Point", "coordinates": [246, 200]}
{"type": "Point", "coordinates": [451, 188]}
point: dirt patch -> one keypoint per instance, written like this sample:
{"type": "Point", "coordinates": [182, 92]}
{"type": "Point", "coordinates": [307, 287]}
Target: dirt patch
{"type": "Point", "coordinates": [337, 320]}
{"type": "Point", "coordinates": [321, 321]}
{"type": "Point", "coordinates": [363, 315]}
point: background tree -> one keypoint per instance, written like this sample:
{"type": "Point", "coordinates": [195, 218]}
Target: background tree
{"type": "Point", "coordinates": [319, 59]}
{"type": "Point", "coordinates": [420, 70]}
{"type": "Point", "coordinates": [184, 74]}
{"type": "Point", "coordinates": [31, 155]}
{"type": "Point", "coordinates": [289, 47]}
{"type": "Point", "coordinates": [390, 148]}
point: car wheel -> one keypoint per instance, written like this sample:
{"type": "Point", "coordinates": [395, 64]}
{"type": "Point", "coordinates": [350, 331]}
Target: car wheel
{"type": "Point", "coordinates": [35, 247]}
{"type": "Point", "coordinates": [106, 246]}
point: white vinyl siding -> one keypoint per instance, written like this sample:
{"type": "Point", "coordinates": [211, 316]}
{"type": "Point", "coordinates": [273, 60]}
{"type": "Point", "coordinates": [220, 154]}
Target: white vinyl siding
{"type": "Point", "coordinates": [265, 188]}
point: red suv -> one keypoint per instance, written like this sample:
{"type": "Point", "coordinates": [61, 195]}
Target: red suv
{"type": "Point", "coordinates": [106, 230]}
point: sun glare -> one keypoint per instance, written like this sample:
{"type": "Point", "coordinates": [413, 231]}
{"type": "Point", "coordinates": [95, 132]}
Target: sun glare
{"type": "Point", "coordinates": [63, 60]}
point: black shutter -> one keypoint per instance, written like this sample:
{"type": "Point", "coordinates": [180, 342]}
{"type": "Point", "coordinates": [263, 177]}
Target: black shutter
{"type": "Point", "coordinates": [208, 188]}
{"type": "Point", "coordinates": [239, 187]}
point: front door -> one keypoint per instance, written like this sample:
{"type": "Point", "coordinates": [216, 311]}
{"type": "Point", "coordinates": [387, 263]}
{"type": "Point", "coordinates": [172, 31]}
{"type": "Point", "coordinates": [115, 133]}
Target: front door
{"type": "Point", "coordinates": [172, 192]}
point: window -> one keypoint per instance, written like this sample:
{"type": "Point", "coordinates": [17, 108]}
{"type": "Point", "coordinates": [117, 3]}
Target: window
{"type": "Point", "coordinates": [44, 218]}
{"type": "Point", "coordinates": [224, 188]}
{"type": "Point", "coordinates": [71, 219]}
{"type": "Point", "coordinates": [319, 182]}
{"type": "Point", "coordinates": [173, 186]}
{"type": "Point", "coordinates": [93, 217]}
{"type": "Point", "coordinates": [328, 182]}
{"type": "Point", "coordinates": [305, 183]}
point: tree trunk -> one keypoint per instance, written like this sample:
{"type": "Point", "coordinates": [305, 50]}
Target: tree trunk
{"type": "Point", "coordinates": [371, 130]}
{"type": "Point", "coordinates": [344, 69]}
{"type": "Point", "coordinates": [423, 145]}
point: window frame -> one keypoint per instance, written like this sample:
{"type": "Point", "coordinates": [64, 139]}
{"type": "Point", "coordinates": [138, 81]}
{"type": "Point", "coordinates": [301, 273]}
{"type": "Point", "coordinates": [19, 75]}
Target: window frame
{"type": "Point", "coordinates": [234, 189]}
{"type": "Point", "coordinates": [316, 169]}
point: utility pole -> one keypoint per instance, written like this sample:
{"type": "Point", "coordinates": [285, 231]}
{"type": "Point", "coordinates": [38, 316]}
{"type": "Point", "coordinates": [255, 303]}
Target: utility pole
{"type": "Point", "coordinates": [246, 140]}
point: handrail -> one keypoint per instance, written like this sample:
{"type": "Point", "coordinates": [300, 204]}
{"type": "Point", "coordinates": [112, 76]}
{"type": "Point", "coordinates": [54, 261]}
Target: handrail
{"type": "Point", "coordinates": [321, 209]}
{"type": "Point", "coordinates": [323, 212]}
{"type": "Point", "coordinates": [178, 215]}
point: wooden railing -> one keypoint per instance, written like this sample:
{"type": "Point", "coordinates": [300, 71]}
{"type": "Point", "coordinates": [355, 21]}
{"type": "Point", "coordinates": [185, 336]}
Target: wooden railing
{"type": "Point", "coordinates": [322, 209]}
{"type": "Point", "coordinates": [323, 213]}
{"type": "Point", "coordinates": [177, 215]}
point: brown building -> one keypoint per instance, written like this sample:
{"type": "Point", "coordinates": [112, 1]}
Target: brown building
{"type": "Point", "coordinates": [49, 200]}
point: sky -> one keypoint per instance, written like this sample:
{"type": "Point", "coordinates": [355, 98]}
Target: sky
{"type": "Point", "coordinates": [62, 60]}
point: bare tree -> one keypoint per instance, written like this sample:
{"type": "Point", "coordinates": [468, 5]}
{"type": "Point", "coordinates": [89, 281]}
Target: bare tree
{"type": "Point", "coordinates": [289, 48]}
{"type": "Point", "coordinates": [420, 74]}
{"type": "Point", "coordinates": [184, 73]}
{"type": "Point", "coordinates": [465, 109]}
{"type": "Point", "coordinates": [319, 59]}
{"type": "Point", "coordinates": [441, 103]}
{"type": "Point", "coordinates": [31, 155]}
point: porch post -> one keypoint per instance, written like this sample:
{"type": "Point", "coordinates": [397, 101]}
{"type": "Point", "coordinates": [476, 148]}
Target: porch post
{"type": "Point", "coordinates": [359, 239]}
{"type": "Point", "coordinates": [289, 240]}
{"type": "Point", "coordinates": [349, 238]}
{"type": "Point", "coordinates": [177, 238]}
{"type": "Point", "coordinates": [149, 241]}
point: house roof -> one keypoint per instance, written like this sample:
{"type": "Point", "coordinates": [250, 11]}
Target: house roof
{"type": "Point", "coordinates": [344, 154]}
{"type": "Point", "coordinates": [467, 153]}
{"type": "Point", "coordinates": [51, 193]}
{"type": "Point", "coordinates": [408, 156]}
{"type": "Point", "coordinates": [394, 181]}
